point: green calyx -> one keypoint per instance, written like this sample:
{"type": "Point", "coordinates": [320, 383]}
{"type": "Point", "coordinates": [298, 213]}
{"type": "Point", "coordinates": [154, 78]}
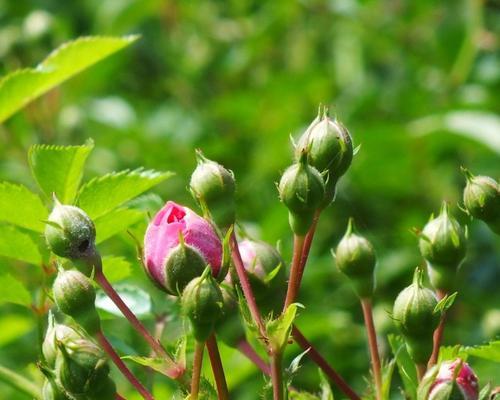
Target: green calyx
{"type": "Point", "coordinates": [213, 187]}
{"type": "Point", "coordinates": [302, 190]}
{"type": "Point", "coordinates": [202, 303]}
{"type": "Point", "coordinates": [75, 296]}
{"type": "Point", "coordinates": [355, 258]}
{"type": "Point", "coordinates": [56, 333]}
{"type": "Point", "coordinates": [50, 391]}
{"type": "Point", "coordinates": [482, 199]}
{"type": "Point", "coordinates": [329, 149]}
{"type": "Point", "coordinates": [183, 264]}
{"type": "Point", "coordinates": [69, 232]}
{"type": "Point", "coordinates": [415, 318]}
{"type": "Point", "coordinates": [443, 243]}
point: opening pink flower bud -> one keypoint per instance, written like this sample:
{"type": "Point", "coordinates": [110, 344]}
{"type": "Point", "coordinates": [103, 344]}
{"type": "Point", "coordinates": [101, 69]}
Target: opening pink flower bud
{"type": "Point", "coordinates": [170, 225]}
{"type": "Point", "coordinates": [458, 374]}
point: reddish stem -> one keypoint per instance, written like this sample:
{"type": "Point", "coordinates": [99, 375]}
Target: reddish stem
{"type": "Point", "coordinates": [197, 363]}
{"type": "Point", "coordinates": [119, 397]}
{"type": "Point", "coordinates": [315, 356]}
{"type": "Point", "coordinates": [277, 376]}
{"type": "Point", "coordinates": [366, 305]}
{"type": "Point", "coordinates": [421, 369]}
{"type": "Point", "coordinates": [294, 280]}
{"type": "Point", "coordinates": [307, 244]}
{"type": "Point", "coordinates": [217, 368]}
{"type": "Point", "coordinates": [252, 355]}
{"type": "Point", "coordinates": [438, 333]}
{"type": "Point", "coordinates": [176, 371]}
{"type": "Point", "coordinates": [245, 284]}
{"type": "Point", "coordinates": [122, 367]}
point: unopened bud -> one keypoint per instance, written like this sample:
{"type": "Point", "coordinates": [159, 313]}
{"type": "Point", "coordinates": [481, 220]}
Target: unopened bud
{"type": "Point", "coordinates": [355, 258]}
{"type": "Point", "coordinates": [213, 187]}
{"type": "Point", "coordinates": [75, 296]}
{"type": "Point", "coordinates": [443, 244]}
{"type": "Point", "coordinates": [415, 318]}
{"type": "Point", "coordinates": [56, 333]}
{"type": "Point", "coordinates": [302, 190]}
{"type": "Point", "coordinates": [202, 303]}
{"type": "Point", "coordinates": [482, 199]}
{"type": "Point", "coordinates": [69, 232]}
{"type": "Point", "coordinates": [50, 391]}
{"type": "Point", "coordinates": [230, 327]}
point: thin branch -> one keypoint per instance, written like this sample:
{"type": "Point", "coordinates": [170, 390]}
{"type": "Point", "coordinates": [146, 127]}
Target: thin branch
{"type": "Point", "coordinates": [307, 244]}
{"type": "Point", "coordinates": [277, 376]}
{"type": "Point", "coordinates": [294, 279]}
{"type": "Point", "coordinates": [197, 363]}
{"type": "Point", "coordinates": [122, 367]}
{"type": "Point", "coordinates": [217, 368]}
{"type": "Point", "coordinates": [366, 305]}
{"type": "Point", "coordinates": [315, 356]}
{"type": "Point", "coordinates": [252, 355]}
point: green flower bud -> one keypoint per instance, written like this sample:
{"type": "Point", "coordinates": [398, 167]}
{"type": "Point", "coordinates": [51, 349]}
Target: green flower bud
{"type": "Point", "coordinates": [213, 187]}
{"type": "Point", "coordinates": [69, 232]}
{"type": "Point", "coordinates": [355, 258]}
{"type": "Point", "coordinates": [56, 333]}
{"type": "Point", "coordinates": [182, 264]}
{"type": "Point", "coordinates": [50, 391]}
{"type": "Point", "coordinates": [415, 318]}
{"type": "Point", "coordinates": [443, 244]}
{"type": "Point", "coordinates": [482, 199]}
{"type": "Point", "coordinates": [302, 190]}
{"type": "Point", "coordinates": [75, 296]}
{"type": "Point", "coordinates": [230, 327]}
{"type": "Point", "coordinates": [106, 390]}
{"type": "Point", "coordinates": [328, 145]}
{"type": "Point", "coordinates": [81, 367]}
{"type": "Point", "coordinates": [202, 303]}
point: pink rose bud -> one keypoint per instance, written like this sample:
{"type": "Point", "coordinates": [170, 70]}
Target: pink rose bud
{"type": "Point", "coordinates": [458, 374]}
{"type": "Point", "coordinates": [178, 245]}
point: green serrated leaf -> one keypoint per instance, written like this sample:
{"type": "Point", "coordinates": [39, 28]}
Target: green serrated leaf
{"type": "Point", "coordinates": [405, 365]}
{"type": "Point", "coordinates": [102, 195]}
{"type": "Point", "coordinates": [279, 329]}
{"type": "Point", "coordinates": [21, 207]}
{"type": "Point", "coordinates": [115, 222]}
{"type": "Point", "coordinates": [59, 169]}
{"type": "Point", "coordinates": [13, 291]}
{"type": "Point", "coordinates": [489, 351]}
{"type": "Point", "coordinates": [445, 303]}
{"type": "Point", "coordinates": [22, 86]}
{"type": "Point", "coordinates": [116, 268]}
{"type": "Point", "coordinates": [162, 365]}
{"type": "Point", "coordinates": [18, 245]}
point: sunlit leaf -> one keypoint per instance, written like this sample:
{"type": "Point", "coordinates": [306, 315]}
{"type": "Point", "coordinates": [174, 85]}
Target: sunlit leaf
{"type": "Point", "coordinates": [135, 298]}
{"type": "Point", "coordinates": [18, 245]}
{"type": "Point", "coordinates": [13, 291]}
{"type": "Point", "coordinates": [116, 221]}
{"type": "Point", "coordinates": [115, 268]}
{"type": "Point", "coordinates": [406, 367]}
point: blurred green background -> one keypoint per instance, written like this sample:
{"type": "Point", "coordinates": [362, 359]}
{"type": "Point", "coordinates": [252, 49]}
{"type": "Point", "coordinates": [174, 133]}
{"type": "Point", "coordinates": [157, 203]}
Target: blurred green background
{"type": "Point", "coordinates": [416, 83]}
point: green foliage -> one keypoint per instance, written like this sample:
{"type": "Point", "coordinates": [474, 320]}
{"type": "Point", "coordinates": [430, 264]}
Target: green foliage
{"type": "Point", "coordinates": [137, 299]}
{"type": "Point", "coordinates": [406, 367]}
{"type": "Point", "coordinates": [279, 329]}
{"type": "Point", "coordinates": [162, 365]}
{"type": "Point", "coordinates": [13, 291]}
{"type": "Point", "coordinates": [20, 87]}
{"type": "Point", "coordinates": [59, 169]}
{"type": "Point", "coordinates": [102, 195]}
{"type": "Point", "coordinates": [116, 268]}
{"type": "Point", "coordinates": [115, 222]}
{"type": "Point", "coordinates": [18, 245]}
{"type": "Point", "coordinates": [21, 207]}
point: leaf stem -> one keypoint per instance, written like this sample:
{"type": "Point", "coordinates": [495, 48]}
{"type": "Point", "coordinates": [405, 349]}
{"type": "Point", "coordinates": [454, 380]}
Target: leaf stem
{"type": "Point", "coordinates": [295, 271]}
{"type": "Point", "coordinates": [318, 359]}
{"type": "Point", "coordinates": [438, 333]}
{"type": "Point", "coordinates": [176, 371]}
{"type": "Point", "coordinates": [217, 368]}
{"type": "Point", "coordinates": [245, 284]}
{"type": "Point", "coordinates": [197, 363]}
{"type": "Point", "coordinates": [20, 383]}
{"type": "Point", "coordinates": [366, 305]}
{"type": "Point", "coordinates": [122, 367]}
{"type": "Point", "coordinates": [252, 355]}
{"type": "Point", "coordinates": [277, 375]}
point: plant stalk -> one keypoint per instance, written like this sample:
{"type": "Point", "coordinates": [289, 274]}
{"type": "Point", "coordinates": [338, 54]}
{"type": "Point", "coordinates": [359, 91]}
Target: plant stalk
{"type": "Point", "coordinates": [366, 305]}
{"type": "Point", "coordinates": [438, 333]}
{"type": "Point", "coordinates": [197, 363]}
{"type": "Point", "coordinates": [307, 244]}
{"type": "Point", "coordinates": [295, 271]}
{"type": "Point", "coordinates": [318, 359]}
{"type": "Point", "coordinates": [421, 369]}
{"type": "Point", "coordinates": [20, 383]}
{"type": "Point", "coordinates": [217, 368]}
{"type": "Point", "coordinates": [176, 371]}
{"type": "Point", "coordinates": [252, 355]}
{"type": "Point", "coordinates": [122, 367]}
{"type": "Point", "coordinates": [245, 284]}
{"type": "Point", "coordinates": [277, 375]}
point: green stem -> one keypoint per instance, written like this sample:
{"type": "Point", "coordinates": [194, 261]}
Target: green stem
{"type": "Point", "coordinates": [366, 305]}
{"type": "Point", "coordinates": [217, 368]}
{"type": "Point", "coordinates": [295, 271]}
{"type": "Point", "coordinates": [197, 363]}
{"type": "Point", "coordinates": [20, 383]}
{"type": "Point", "coordinates": [277, 375]}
